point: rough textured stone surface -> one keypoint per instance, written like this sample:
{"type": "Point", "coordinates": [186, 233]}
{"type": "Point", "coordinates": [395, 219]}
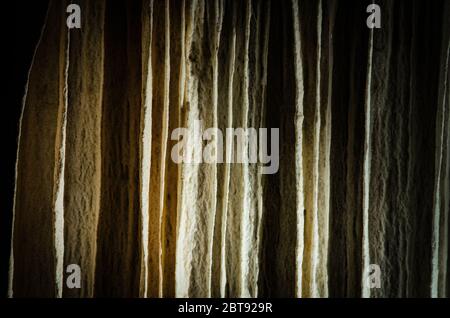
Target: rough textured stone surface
{"type": "Point", "coordinates": [364, 119]}
{"type": "Point", "coordinates": [34, 256]}
{"type": "Point", "coordinates": [82, 188]}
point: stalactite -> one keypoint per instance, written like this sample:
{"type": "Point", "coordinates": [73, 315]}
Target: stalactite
{"type": "Point", "coordinates": [146, 143]}
{"type": "Point", "coordinates": [237, 188]}
{"type": "Point", "coordinates": [37, 167]}
{"type": "Point", "coordinates": [364, 151]}
{"type": "Point", "coordinates": [326, 67]}
{"type": "Point", "coordinates": [365, 290]}
{"type": "Point", "coordinates": [171, 192]}
{"type": "Point", "coordinates": [226, 54]}
{"type": "Point", "coordinates": [259, 38]}
{"type": "Point", "coordinates": [381, 57]}
{"type": "Point", "coordinates": [83, 155]}
{"type": "Point", "coordinates": [160, 61]}
{"type": "Point", "coordinates": [185, 224]}
{"type": "Point", "coordinates": [299, 117]}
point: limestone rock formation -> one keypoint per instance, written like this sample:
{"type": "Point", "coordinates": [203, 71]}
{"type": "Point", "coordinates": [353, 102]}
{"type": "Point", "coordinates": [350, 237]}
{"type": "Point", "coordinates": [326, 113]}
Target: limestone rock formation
{"type": "Point", "coordinates": [364, 153]}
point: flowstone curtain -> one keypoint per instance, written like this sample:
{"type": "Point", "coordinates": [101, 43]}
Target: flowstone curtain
{"type": "Point", "coordinates": [364, 151]}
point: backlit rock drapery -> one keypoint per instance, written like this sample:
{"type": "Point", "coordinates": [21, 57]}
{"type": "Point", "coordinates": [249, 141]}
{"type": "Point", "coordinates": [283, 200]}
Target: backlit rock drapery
{"type": "Point", "coordinates": [364, 153]}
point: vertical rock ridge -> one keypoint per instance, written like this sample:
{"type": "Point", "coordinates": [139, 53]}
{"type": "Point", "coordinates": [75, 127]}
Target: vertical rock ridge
{"type": "Point", "coordinates": [83, 149]}
{"type": "Point", "coordinates": [226, 53]}
{"type": "Point", "coordinates": [263, 101]}
{"type": "Point", "coordinates": [187, 218]}
{"type": "Point", "coordinates": [381, 62]}
{"type": "Point", "coordinates": [257, 65]}
{"type": "Point", "coordinates": [165, 223]}
{"type": "Point", "coordinates": [146, 142]}
{"type": "Point", "coordinates": [299, 117]}
{"type": "Point", "coordinates": [237, 190]}
{"type": "Point", "coordinates": [10, 291]}
{"type": "Point", "coordinates": [59, 177]}
{"type": "Point", "coordinates": [216, 26]}
{"type": "Point", "coordinates": [34, 247]}
{"type": "Point", "coordinates": [365, 290]}
{"type": "Point", "coordinates": [326, 69]}
{"type": "Point", "coordinates": [160, 67]}
{"type": "Point", "coordinates": [441, 201]}
{"type": "Point", "coordinates": [246, 218]}
{"type": "Point", "coordinates": [311, 50]}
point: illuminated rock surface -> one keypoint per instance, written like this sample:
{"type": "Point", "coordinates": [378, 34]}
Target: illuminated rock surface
{"type": "Point", "coordinates": [364, 119]}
